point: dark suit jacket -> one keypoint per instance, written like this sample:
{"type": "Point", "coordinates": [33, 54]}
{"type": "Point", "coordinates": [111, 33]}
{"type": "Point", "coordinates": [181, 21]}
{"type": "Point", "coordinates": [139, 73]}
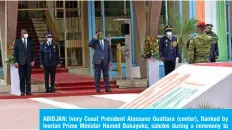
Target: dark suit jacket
{"type": "Point", "coordinates": [100, 54]}
{"type": "Point", "coordinates": [49, 55]}
{"type": "Point", "coordinates": [23, 55]}
{"type": "Point", "coordinates": [167, 50]}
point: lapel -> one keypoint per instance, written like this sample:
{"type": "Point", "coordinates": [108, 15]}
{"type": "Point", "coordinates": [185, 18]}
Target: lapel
{"type": "Point", "coordinates": [105, 44]}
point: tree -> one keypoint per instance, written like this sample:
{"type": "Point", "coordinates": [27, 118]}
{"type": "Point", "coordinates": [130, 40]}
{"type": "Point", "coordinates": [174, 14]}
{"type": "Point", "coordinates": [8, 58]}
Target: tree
{"type": "Point", "coordinates": [183, 30]}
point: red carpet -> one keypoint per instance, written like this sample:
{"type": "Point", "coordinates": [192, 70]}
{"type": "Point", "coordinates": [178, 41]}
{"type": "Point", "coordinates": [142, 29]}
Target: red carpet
{"type": "Point", "coordinates": [74, 85]}
{"type": "Point", "coordinates": [73, 93]}
{"type": "Point", "coordinates": [69, 85]}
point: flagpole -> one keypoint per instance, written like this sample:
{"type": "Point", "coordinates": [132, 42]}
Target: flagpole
{"type": "Point", "coordinates": [111, 77]}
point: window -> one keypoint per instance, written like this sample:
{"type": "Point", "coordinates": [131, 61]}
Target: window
{"type": "Point", "coordinates": [72, 9]}
{"type": "Point", "coordinates": [113, 8]}
{"type": "Point", "coordinates": [97, 5]}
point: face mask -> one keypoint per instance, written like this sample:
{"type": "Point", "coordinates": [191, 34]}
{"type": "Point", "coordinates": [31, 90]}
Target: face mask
{"type": "Point", "coordinates": [25, 36]}
{"type": "Point", "coordinates": [169, 33]}
{"type": "Point", "coordinates": [49, 39]}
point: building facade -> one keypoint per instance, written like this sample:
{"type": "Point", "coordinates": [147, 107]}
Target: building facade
{"type": "Point", "coordinates": [74, 23]}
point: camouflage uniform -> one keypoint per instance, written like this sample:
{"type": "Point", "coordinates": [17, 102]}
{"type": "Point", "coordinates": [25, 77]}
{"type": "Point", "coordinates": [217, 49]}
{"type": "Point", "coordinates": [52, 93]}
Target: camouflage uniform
{"type": "Point", "coordinates": [187, 45]}
{"type": "Point", "coordinates": [199, 48]}
{"type": "Point", "coordinates": [214, 46]}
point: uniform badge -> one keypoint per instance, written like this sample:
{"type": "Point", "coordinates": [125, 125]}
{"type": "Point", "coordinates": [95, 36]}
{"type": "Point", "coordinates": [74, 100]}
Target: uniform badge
{"type": "Point", "coordinates": [54, 47]}
{"type": "Point", "coordinates": [174, 43]}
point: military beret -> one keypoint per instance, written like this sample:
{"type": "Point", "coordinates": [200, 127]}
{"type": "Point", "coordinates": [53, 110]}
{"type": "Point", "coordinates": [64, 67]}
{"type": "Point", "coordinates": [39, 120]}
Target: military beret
{"type": "Point", "coordinates": [168, 28]}
{"type": "Point", "coordinates": [201, 24]}
{"type": "Point", "coordinates": [48, 35]}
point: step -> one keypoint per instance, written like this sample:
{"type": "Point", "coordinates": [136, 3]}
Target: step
{"type": "Point", "coordinates": [40, 25]}
{"type": "Point", "coordinates": [34, 19]}
{"type": "Point", "coordinates": [37, 66]}
{"type": "Point", "coordinates": [83, 87]}
{"type": "Point", "coordinates": [31, 33]}
{"type": "Point", "coordinates": [81, 83]}
{"type": "Point", "coordinates": [41, 32]}
{"type": "Point", "coordinates": [41, 36]}
{"type": "Point", "coordinates": [59, 70]}
{"type": "Point", "coordinates": [93, 91]}
{"type": "Point", "coordinates": [24, 22]}
{"type": "Point", "coordinates": [41, 29]}
{"type": "Point", "coordinates": [28, 29]}
{"type": "Point", "coordinates": [22, 26]}
{"type": "Point", "coordinates": [38, 22]}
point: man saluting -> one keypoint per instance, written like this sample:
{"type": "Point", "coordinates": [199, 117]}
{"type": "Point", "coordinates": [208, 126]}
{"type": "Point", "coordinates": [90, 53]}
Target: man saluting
{"type": "Point", "coordinates": [102, 59]}
{"type": "Point", "coordinates": [49, 60]}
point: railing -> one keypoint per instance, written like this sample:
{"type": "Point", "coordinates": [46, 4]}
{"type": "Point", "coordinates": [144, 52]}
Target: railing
{"type": "Point", "coordinates": [119, 61]}
{"type": "Point", "coordinates": [50, 22]}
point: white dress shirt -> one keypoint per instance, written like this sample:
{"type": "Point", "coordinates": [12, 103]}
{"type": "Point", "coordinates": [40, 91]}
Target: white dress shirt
{"type": "Point", "coordinates": [101, 42]}
{"type": "Point", "coordinates": [24, 41]}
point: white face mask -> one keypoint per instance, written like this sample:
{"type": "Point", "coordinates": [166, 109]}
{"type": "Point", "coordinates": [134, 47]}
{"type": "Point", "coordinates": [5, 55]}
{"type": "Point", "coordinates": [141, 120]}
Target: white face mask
{"type": "Point", "coordinates": [25, 36]}
{"type": "Point", "coordinates": [169, 33]}
{"type": "Point", "coordinates": [49, 39]}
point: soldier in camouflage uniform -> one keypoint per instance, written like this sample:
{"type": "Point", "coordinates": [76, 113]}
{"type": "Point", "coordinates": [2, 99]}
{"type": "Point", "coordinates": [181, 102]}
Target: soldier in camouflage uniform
{"type": "Point", "coordinates": [214, 46]}
{"type": "Point", "coordinates": [199, 46]}
{"type": "Point", "coordinates": [187, 45]}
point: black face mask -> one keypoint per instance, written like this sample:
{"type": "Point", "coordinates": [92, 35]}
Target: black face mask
{"type": "Point", "coordinates": [208, 32]}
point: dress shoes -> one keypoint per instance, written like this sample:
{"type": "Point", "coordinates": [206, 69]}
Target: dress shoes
{"type": "Point", "coordinates": [28, 94]}
{"type": "Point", "coordinates": [108, 90]}
{"type": "Point", "coordinates": [22, 94]}
{"type": "Point", "coordinates": [52, 91]}
{"type": "Point", "coordinates": [98, 89]}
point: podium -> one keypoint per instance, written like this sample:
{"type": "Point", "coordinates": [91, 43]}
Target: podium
{"type": "Point", "coordinates": [15, 84]}
{"type": "Point", "coordinates": [152, 71]}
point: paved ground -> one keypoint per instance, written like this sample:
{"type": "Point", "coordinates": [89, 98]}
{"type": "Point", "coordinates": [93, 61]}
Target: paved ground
{"type": "Point", "coordinates": [24, 113]}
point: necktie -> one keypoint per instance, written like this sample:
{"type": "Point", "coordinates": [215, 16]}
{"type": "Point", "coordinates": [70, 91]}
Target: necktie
{"type": "Point", "coordinates": [101, 44]}
{"type": "Point", "coordinates": [24, 42]}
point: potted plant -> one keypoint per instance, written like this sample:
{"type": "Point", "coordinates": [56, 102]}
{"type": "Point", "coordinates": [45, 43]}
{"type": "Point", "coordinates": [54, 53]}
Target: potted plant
{"type": "Point", "coordinates": [15, 89]}
{"type": "Point", "coordinates": [151, 54]}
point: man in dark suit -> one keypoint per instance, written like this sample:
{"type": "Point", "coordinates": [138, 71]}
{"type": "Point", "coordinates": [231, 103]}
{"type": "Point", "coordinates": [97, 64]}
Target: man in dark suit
{"type": "Point", "coordinates": [49, 60]}
{"type": "Point", "coordinates": [24, 56]}
{"type": "Point", "coordinates": [102, 59]}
